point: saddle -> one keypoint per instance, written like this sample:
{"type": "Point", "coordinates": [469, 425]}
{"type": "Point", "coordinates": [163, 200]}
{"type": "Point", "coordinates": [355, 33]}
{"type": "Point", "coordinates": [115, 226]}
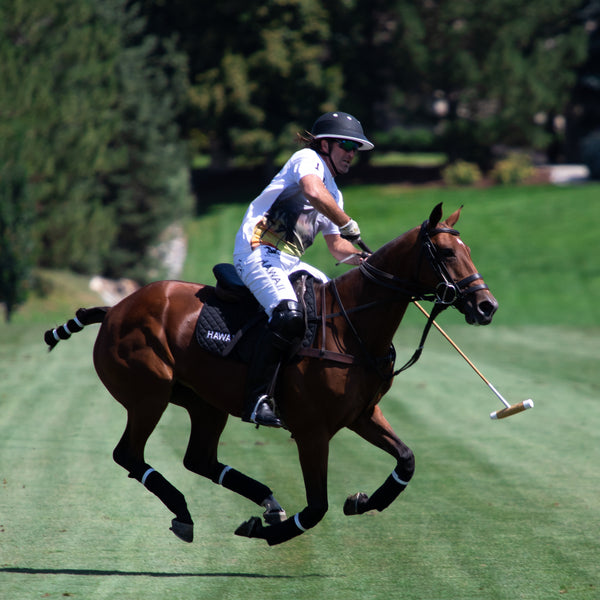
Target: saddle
{"type": "Point", "coordinates": [232, 323]}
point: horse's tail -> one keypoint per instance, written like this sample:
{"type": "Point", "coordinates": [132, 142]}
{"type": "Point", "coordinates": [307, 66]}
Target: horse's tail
{"type": "Point", "coordinates": [83, 317]}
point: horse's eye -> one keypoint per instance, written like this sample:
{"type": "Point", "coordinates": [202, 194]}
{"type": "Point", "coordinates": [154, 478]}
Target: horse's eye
{"type": "Point", "coordinates": [448, 253]}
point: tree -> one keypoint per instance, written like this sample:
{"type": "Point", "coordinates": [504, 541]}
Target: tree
{"type": "Point", "coordinates": [56, 106]}
{"type": "Point", "coordinates": [16, 236]}
{"type": "Point", "coordinates": [476, 74]}
{"type": "Point", "coordinates": [150, 189]}
{"type": "Point", "coordinates": [584, 111]}
{"type": "Point", "coordinates": [259, 72]}
{"type": "Point", "coordinates": [93, 101]}
{"type": "Point", "coordinates": [479, 74]}
{"type": "Point", "coordinates": [502, 69]}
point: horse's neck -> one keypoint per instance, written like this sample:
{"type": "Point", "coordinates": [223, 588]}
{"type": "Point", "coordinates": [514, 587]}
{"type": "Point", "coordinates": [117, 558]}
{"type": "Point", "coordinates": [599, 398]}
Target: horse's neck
{"type": "Point", "coordinates": [377, 323]}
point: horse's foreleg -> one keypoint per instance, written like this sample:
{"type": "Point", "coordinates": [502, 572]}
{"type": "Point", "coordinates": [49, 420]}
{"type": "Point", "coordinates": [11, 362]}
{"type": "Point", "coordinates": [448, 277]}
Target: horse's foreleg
{"type": "Point", "coordinates": [313, 454]}
{"type": "Point", "coordinates": [374, 428]}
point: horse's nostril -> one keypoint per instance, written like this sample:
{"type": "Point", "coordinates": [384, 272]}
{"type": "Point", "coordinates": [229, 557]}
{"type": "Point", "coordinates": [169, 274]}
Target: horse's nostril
{"type": "Point", "coordinates": [487, 308]}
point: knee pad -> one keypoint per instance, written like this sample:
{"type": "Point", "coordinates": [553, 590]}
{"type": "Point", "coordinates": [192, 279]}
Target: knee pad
{"type": "Point", "coordinates": [287, 321]}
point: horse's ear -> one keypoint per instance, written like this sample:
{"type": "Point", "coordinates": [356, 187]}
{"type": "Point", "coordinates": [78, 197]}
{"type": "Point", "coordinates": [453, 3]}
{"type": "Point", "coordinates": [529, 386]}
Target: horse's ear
{"type": "Point", "coordinates": [435, 216]}
{"type": "Point", "coordinates": [453, 218]}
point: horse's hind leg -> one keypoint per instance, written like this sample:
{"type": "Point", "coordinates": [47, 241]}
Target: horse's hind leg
{"type": "Point", "coordinates": [201, 458]}
{"type": "Point", "coordinates": [129, 453]}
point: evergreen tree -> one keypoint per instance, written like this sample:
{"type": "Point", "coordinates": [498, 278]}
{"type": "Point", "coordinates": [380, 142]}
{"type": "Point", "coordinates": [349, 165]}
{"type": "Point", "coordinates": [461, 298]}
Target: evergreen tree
{"type": "Point", "coordinates": [96, 100]}
{"type": "Point", "coordinates": [16, 236]}
{"type": "Point", "coordinates": [503, 69]}
{"type": "Point", "coordinates": [259, 72]}
{"type": "Point", "coordinates": [150, 189]}
{"type": "Point", "coordinates": [58, 90]}
{"type": "Point", "coordinates": [584, 113]}
{"type": "Point", "coordinates": [487, 73]}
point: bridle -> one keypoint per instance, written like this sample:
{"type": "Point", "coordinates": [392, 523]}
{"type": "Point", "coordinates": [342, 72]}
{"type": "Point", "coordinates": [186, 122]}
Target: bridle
{"type": "Point", "coordinates": [447, 293]}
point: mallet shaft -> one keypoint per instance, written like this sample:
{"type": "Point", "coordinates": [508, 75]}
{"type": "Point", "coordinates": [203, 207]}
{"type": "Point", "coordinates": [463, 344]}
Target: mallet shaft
{"type": "Point", "coordinates": [498, 394]}
{"type": "Point", "coordinates": [499, 414]}
{"type": "Point", "coordinates": [461, 353]}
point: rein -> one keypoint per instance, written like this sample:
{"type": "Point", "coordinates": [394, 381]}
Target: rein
{"type": "Point", "coordinates": [446, 294]}
{"type": "Point", "coordinates": [447, 291]}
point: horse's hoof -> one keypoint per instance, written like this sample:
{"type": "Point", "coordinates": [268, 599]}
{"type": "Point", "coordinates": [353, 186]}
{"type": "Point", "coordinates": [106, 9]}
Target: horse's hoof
{"type": "Point", "coordinates": [274, 512]}
{"type": "Point", "coordinates": [355, 503]}
{"type": "Point", "coordinates": [250, 528]}
{"type": "Point", "coordinates": [184, 531]}
{"type": "Point", "coordinates": [272, 517]}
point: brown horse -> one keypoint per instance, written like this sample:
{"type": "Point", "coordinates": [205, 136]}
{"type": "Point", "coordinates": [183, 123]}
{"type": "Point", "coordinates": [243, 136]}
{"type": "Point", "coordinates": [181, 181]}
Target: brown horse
{"type": "Point", "coordinates": [146, 356]}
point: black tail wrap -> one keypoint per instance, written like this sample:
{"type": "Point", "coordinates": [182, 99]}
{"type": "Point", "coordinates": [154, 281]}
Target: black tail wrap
{"type": "Point", "coordinates": [83, 317]}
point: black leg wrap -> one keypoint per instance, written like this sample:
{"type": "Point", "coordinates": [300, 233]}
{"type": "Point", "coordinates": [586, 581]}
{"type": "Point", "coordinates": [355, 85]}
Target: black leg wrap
{"type": "Point", "coordinates": [390, 490]}
{"type": "Point", "coordinates": [282, 532]}
{"type": "Point", "coordinates": [385, 495]}
{"type": "Point", "coordinates": [294, 526]}
{"type": "Point", "coordinates": [310, 516]}
{"type": "Point", "coordinates": [396, 483]}
{"type": "Point", "coordinates": [277, 534]}
{"type": "Point", "coordinates": [169, 495]}
{"type": "Point", "coordinates": [241, 484]}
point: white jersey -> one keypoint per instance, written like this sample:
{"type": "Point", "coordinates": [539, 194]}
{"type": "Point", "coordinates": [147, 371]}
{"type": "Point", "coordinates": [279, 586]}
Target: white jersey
{"type": "Point", "coordinates": [281, 217]}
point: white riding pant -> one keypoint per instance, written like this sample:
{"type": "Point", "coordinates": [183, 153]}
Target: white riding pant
{"type": "Point", "coordinates": [266, 271]}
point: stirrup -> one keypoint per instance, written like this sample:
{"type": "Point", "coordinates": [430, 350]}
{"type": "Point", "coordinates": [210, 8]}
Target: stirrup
{"type": "Point", "coordinates": [263, 414]}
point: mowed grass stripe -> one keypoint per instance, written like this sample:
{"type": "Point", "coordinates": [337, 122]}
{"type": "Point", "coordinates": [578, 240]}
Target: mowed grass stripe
{"type": "Point", "coordinates": [496, 510]}
{"type": "Point", "coordinates": [489, 514]}
{"type": "Point", "coordinates": [534, 470]}
{"type": "Point", "coordinates": [492, 491]}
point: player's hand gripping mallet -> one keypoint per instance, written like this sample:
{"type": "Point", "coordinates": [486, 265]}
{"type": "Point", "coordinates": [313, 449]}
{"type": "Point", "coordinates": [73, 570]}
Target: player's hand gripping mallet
{"type": "Point", "coordinates": [498, 414]}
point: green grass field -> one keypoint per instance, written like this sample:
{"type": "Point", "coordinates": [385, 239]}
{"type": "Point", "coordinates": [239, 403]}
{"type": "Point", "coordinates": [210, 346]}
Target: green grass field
{"type": "Point", "coordinates": [497, 510]}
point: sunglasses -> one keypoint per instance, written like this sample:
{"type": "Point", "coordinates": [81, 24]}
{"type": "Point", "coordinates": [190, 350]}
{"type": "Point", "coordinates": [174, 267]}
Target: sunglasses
{"type": "Point", "coordinates": [348, 145]}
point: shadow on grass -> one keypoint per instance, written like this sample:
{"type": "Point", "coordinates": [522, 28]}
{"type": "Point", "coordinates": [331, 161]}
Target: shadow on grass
{"type": "Point", "coordinates": [113, 573]}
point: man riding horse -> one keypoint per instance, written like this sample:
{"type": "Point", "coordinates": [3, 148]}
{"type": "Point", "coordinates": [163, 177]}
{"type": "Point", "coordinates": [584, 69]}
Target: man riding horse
{"type": "Point", "coordinates": [279, 225]}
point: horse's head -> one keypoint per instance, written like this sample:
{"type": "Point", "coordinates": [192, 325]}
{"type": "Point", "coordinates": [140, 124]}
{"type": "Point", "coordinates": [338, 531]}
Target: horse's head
{"type": "Point", "coordinates": [451, 271]}
{"type": "Point", "coordinates": [442, 269]}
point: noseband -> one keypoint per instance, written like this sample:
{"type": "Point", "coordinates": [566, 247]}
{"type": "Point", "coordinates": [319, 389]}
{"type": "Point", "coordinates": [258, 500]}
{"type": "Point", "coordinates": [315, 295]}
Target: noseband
{"type": "Point", "coordinates": [447, 291]}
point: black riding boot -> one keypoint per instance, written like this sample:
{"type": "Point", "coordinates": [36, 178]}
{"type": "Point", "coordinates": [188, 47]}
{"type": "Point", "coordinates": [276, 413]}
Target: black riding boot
{"type": "Point", "coordinates": [286, 328]}
{"type": "Point", "coordinates": [262, 370]}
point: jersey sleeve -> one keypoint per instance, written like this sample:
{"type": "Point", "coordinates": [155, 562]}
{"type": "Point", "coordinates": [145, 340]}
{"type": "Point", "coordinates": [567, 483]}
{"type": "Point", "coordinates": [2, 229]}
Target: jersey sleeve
{"type": "Point", "coordinates": [329, 227]}
{"type": "Point", "coordinates": [308, 162]}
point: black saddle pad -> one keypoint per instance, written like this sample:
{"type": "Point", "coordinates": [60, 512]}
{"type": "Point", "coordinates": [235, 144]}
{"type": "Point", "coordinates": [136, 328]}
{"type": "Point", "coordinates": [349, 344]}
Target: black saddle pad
{"type": "Point", "coordinates": [235, 328]}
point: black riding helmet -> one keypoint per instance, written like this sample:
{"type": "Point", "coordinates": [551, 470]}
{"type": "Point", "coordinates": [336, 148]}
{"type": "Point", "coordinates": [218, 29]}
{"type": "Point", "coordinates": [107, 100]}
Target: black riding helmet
{"type": "Point", "coordinates": [343, 126]}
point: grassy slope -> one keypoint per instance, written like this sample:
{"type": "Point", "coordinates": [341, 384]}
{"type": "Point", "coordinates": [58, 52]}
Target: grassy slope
{"type": "Point", "coordinates": [534, 245]}
{"type": "Point", "coordinates": [496, 510]}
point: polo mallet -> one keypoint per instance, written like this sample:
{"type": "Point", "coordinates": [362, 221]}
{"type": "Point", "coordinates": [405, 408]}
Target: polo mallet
{"type": "Point", "coordinates": [363, 246]}
{"type": "Point", "coordinates": [498, 414]}
{"type": "Point", "coordinates": [366, 250]}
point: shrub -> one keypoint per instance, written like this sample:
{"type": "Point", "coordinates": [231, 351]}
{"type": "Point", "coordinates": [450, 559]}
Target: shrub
{"type": "Point", "coordinates": [406, 139]}
{"type": "Point", "coordinates": [515, 168]}
{"type": "Point", "coordinates": [461, 172]}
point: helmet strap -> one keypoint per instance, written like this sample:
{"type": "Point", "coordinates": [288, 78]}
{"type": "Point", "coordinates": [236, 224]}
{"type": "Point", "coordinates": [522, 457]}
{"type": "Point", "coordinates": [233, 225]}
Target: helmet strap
{"type": "Point", "coordinates": [328, 155]}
